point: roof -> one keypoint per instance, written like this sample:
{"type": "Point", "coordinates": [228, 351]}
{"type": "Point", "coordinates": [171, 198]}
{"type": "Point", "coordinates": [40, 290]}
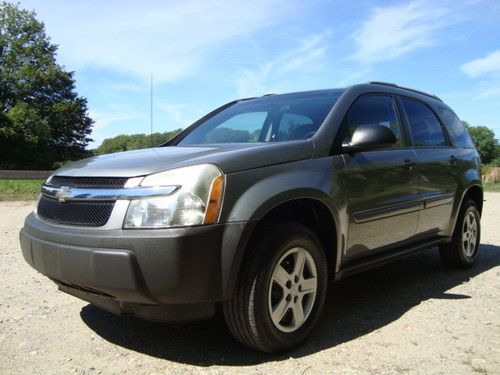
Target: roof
{"type": "Point", "coordinates": [341, 90]}
{"type": "Point", "coordinates": [404, 88]}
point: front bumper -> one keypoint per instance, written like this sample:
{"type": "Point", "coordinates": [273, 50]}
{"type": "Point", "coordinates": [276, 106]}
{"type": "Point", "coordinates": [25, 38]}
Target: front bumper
{"type": "Point", "coordinates": [162, 274]}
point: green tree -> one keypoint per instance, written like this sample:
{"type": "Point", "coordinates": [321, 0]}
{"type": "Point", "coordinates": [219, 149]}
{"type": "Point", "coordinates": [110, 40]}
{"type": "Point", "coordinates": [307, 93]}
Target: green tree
{"type": "Point", "coordinates": [484, 140]}
{"type": "Point", "coordinates": [42, 119]}
{"type": "Point", "coordinates": [132, 142]}
{"type": "Point", "coordinates": [227, 135]}
{"type": "Point", "coordinates": [495, 162]}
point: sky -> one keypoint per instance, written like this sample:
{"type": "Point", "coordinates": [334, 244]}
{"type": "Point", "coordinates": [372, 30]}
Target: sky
{"type": "Point", "coordinates": [203, 54]}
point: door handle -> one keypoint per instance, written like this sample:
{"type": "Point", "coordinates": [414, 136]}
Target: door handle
{"type": "Point", "coordinates": [408, 164]}
{"type": "Point", "coordinates": [452, 160]}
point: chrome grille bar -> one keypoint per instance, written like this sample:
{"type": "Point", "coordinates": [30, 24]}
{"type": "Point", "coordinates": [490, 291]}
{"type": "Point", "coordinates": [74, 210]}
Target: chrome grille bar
{"type": "Point", "coordinates": [64, 193]}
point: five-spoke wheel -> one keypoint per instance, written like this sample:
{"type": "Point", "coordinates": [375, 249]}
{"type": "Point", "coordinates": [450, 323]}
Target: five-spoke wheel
{"type": "Point", "coordinates": [292, 289]}
{"type": "Point", "coordinates": [469, 234]}
{"type": "Point", "coordinates": [463, 249]}
{"type": "Point", "coordinates": [281, 289]}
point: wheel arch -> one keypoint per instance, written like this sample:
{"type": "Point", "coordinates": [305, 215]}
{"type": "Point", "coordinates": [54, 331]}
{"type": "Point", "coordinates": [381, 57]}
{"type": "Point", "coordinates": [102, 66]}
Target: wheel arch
{"type": "Point", "coordinates": [309, 208]}
{"type": "Point", "coordinates": [474, 192]}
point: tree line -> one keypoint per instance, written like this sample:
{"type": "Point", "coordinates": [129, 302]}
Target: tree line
{"type": "Point", "coordinates": [45, 123]}
{"type": "Point", "coordinates": [486, 144]}
{"type": "Point", "coordinates": [126, 142]}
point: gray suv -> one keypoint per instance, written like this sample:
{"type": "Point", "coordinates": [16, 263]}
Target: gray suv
{"type": "Point", "coordinates": [257, 205]}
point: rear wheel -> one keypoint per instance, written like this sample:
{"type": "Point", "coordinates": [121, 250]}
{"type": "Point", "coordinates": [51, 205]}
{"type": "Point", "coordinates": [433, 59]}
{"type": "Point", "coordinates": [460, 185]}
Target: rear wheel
{"type": "Point", "coordinates": [281, 290]}
{"type": "Point", "coordinates": [463, 249]}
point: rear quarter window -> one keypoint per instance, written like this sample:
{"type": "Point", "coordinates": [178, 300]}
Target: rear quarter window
{"type": "Point", "coordinates": [456, 128]}
{"type": "Point", "coordinates": [424, 125]}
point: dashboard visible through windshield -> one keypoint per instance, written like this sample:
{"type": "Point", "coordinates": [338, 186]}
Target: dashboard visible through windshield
{"type": "Point", "coordinates": [275, 118]}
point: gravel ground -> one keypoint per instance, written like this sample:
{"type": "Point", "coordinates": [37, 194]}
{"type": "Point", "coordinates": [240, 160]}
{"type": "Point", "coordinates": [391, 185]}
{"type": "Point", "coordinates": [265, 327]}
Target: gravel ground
{"type": "Point", "coordinates": [412, 316]}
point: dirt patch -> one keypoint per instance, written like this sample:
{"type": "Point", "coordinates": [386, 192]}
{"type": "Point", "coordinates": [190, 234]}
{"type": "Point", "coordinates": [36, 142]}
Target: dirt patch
{"type": "Point", "coordinates": [412, 316]}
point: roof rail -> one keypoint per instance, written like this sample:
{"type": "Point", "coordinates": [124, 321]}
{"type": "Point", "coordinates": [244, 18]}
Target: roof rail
{"type": "Point", "coordinates": [405, 88]}
{"type": "Point", "coordinates": [242, 100]}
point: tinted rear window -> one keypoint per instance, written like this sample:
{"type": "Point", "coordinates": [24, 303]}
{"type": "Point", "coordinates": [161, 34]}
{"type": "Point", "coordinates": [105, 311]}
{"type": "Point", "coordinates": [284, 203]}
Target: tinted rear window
{"type": "Point", "coordinates": [455, 127]}
{"type": "Point", "coordinates": [425, 128]}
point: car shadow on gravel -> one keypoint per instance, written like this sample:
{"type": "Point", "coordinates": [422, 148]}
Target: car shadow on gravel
{"type": "Point", "coordinates": [354, 307]}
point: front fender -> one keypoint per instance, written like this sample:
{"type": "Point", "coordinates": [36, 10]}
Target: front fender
{"type": "Point", "coordinates": [251, 194]}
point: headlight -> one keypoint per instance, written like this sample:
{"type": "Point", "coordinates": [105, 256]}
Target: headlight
{"type": "Point", "coordinates": [197, 200]}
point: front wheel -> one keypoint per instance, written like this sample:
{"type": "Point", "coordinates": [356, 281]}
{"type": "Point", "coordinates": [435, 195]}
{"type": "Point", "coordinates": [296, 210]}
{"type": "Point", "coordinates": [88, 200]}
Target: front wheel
{"type": "Point", "coordinates": [463, 249]}
{"type": "Point", "coordinates": [281, 290]}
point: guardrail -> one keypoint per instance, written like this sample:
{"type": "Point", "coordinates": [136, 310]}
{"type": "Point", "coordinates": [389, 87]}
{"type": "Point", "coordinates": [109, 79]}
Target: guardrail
{"type": "Point", "coordinates": [23, 175]}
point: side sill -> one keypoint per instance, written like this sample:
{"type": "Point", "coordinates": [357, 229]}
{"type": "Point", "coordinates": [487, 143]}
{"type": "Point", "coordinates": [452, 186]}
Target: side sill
{"type": "Point", "coordinates": [389, 256]}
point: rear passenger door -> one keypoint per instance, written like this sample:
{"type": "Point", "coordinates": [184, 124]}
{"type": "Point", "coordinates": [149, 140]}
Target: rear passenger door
{"type": "Point", "coordinates": [436, 165]}
{"type": "Point", "coordinates": [380, 185]}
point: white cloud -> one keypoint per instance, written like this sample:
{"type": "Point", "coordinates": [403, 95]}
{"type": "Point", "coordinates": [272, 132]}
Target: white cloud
{"type": "Point", "coordinates": [166, 38]}
{"type": "Point", "coordinates": [126, 87]}
{"type": "Point", "coordinates": [483, 66]}
{"type": "Point", "coordinates": [103, 120]}
{"type": "Point", "coordinates": [487, 70]}
{"type": "Point", "coordinates": [273, 75]}
{"type": "Point", "coordinates": [490, 92]}
{"type": "Point", "coordinates": [177, 114]}
{"type": "Point", "coordinates": [395, 30]}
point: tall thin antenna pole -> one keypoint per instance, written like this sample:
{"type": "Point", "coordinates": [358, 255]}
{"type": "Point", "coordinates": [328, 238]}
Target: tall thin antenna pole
{"type": "Point", "coordinates": [151, 110]}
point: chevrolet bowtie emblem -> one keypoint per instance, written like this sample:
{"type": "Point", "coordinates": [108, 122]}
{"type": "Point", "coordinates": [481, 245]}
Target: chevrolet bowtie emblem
{"type": "Point", "coordinates": [63, 194]}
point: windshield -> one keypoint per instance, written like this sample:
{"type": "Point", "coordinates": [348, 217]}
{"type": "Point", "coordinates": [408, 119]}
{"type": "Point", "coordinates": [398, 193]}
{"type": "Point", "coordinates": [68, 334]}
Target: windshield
{"type": "Point", "coordinates": [267, 119]}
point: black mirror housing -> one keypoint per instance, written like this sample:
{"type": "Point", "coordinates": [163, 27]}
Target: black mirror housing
{"type": "Point", "coordinates": [369, 137]}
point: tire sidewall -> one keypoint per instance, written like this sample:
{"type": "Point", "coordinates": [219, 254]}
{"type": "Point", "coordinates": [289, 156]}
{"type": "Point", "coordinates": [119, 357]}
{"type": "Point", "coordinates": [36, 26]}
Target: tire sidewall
{"type": "Point", "coordinates": [469, 207]}
{"type": "Point", "coordinates": [288, 238]}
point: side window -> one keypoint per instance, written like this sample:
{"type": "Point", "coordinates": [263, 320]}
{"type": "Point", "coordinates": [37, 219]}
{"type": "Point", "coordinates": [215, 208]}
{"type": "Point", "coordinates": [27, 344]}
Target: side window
{"type": "Point", "coordinates": [293, 126]}
{"type": "Point", "coordinates": [374, 110]}
{"type": "Point", "coordinates": [244, 127]}
{"type": "Point", "coordinates": [424, 125]}
{"type": "Point", "coordinates": [455, 127]}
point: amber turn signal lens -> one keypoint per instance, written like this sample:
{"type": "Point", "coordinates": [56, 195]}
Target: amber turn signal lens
{"type": "Point", "coordinates": [215, 201]}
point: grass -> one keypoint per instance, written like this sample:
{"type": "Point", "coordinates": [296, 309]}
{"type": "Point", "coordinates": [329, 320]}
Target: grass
{"type": "Point", "coordinates": [19, 190]}
{"type": "Point", "coordinates": [27, 190]}
{"type": "Point", "coordinates": [492, 186]}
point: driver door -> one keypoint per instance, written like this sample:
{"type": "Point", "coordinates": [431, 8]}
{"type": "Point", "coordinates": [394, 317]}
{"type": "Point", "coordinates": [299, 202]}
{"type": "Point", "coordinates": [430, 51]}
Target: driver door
{"type": "Point", "coordinates": [381, 185]}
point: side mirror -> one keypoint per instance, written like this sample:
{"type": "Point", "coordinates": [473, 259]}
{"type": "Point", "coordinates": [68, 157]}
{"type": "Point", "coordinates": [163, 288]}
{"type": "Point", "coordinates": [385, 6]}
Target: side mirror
{"type": "Point", "coordinates": [369, 137]}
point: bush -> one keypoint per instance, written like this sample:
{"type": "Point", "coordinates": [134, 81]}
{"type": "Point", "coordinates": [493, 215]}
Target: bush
{"type": "Point", "coordinates": [494, 163]}
{"type": "Point", "coordinates": [133, 142]}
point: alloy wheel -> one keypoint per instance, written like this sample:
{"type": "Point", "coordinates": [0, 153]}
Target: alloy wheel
{"type": "Point", "coordinates": [469, 234]}
{"type": "Point", "coordinates": [292, 289]}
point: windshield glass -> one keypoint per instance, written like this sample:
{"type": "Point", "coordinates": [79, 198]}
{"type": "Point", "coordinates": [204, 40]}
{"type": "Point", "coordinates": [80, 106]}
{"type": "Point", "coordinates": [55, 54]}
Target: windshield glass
{"type": "Point", "coordinates": [267, 119]}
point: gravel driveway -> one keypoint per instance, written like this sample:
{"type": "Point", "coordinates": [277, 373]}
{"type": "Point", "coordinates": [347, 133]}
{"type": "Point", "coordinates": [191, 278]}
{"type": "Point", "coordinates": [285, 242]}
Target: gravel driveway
{"type": "Point", "coordinates": [413, 316]}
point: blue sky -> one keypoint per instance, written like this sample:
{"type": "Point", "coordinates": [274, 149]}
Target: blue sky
{"type": "Point", "coordinates": [205, 53]}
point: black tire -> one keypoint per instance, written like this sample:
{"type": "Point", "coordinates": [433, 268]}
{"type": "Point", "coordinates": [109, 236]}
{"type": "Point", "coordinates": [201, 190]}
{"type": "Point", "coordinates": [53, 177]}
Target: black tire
{"type": "Point", "coordinates": [455, 253]}
{"type": "Point", "coordinates": [248, 314]}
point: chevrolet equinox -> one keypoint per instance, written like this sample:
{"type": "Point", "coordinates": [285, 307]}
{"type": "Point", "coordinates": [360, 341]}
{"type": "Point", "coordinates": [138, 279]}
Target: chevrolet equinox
{"type": "Point", "coordinates": [257, 205]}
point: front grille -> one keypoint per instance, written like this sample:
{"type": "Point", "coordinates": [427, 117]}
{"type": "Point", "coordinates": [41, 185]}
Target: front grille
{"type": "Point", "coordinates": [89, 182]}
{"type": "Point", "coordinates": [82, 213]}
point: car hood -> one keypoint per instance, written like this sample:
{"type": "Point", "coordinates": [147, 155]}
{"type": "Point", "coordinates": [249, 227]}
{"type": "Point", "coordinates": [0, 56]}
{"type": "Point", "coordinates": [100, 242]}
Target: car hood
{"type": "Point", "coordinates": [229, 157]}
